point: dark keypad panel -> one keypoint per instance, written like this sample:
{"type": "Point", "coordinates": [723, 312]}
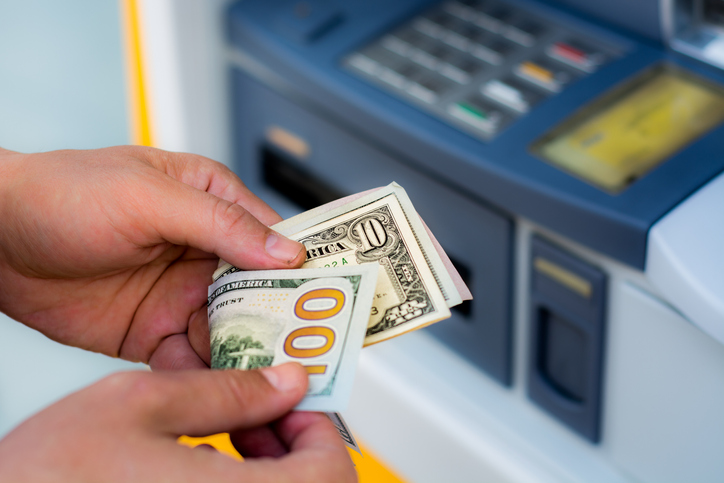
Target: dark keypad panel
{"type": "Point", "coordinates": [479, 64]}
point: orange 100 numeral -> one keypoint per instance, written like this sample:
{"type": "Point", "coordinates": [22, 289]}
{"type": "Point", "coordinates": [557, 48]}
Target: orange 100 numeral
{"type": "Point", "coordinates": [292, 351]}
{"type": "Point", "coordinates": [333, 294]}
{"type": "Point", "coordinates": [304, 353]}
{"type": "Point", "coordinates": [338, 298]}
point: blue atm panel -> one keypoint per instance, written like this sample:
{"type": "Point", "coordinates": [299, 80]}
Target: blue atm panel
{"type": "Point", "coordinates": [314, 68]}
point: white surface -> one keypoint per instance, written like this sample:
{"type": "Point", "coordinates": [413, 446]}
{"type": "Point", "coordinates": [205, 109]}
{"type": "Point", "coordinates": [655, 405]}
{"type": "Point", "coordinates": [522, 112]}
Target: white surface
{"type": "Point", "coordinates": [666, 393]}
{"type": "Point", "coordinates": [435, 418]}
{"type": "Point", "coordinates": [685, 258]}
{"type": "Point", "coordinates": [187, 77]}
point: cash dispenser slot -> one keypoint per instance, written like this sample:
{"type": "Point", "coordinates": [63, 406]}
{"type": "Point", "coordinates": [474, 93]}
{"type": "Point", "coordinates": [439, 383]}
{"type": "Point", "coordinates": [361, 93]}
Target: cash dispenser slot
{"type": "Point", "coordinates": [479, 238]}
{"type": "Point", "coordinates": [291, 180]}
{"type": "Point", "coordinates": [567, 338]}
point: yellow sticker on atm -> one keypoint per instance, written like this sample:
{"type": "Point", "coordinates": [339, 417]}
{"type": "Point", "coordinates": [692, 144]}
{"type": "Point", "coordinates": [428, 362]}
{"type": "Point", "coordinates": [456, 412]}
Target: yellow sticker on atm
{"type": "Point", "coordinates": [629, 131]}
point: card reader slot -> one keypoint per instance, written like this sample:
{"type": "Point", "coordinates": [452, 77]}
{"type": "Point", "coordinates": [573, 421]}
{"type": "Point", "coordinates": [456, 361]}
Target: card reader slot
{"type": "Point", "coordinates": [293, 181]}
{"type": "Point", "coordinates": [562, 355]}
{"type": "Point", "coordinates": [567, 317]}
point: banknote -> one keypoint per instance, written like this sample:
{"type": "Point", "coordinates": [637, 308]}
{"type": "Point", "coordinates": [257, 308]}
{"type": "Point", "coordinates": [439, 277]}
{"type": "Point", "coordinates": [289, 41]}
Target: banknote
{"type": "Point", "coordinates": [317, 317]}
{"type": "Point", "coordinates": [414, 286]}
{"type": "Point", "coordinates": [344, 432]}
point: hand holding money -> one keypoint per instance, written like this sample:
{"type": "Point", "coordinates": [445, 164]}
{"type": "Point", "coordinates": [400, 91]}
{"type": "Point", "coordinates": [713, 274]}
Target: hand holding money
{"type": "Point", "coordinates": [415, 282]}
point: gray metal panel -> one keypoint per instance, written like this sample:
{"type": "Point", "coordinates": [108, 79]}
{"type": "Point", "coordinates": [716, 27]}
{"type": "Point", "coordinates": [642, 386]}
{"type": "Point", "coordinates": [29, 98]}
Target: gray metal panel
{"type": "Point", "coordinates": [640, 16]}
{"type": "Point", "coordinates": [476, 236]}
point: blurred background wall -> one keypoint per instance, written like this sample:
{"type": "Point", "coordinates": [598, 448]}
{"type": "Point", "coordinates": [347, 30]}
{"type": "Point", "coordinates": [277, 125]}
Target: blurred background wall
{"type": "Point", "coordinates": [62, 86]}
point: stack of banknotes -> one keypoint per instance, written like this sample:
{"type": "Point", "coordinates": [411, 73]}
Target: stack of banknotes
{"type": "Point", "coordinates": [373, 271]}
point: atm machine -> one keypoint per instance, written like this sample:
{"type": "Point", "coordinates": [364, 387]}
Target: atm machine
{"type": "Point", "coordinates": [569, 157]}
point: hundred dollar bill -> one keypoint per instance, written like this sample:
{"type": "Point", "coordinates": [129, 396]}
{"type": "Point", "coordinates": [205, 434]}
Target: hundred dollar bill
{"type": "Point", "coordinates": [315, 317]}
{"type": "Point", "coordinates": [414, 287]}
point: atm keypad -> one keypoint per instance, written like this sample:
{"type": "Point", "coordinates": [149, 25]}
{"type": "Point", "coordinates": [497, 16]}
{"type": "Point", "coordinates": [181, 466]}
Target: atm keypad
{"type": "Point", "coordinates": [480, 64]}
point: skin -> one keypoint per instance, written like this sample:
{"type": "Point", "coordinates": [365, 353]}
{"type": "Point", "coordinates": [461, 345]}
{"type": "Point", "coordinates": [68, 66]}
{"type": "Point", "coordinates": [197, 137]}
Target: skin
{"type": "Point", "coordinates": [112, 251]}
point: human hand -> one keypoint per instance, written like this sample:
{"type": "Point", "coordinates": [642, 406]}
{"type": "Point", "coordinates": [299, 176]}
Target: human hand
{"type": "Point", "coordinates": [112, 250]}
{"type": "Point", "coordinates": [125, 427]}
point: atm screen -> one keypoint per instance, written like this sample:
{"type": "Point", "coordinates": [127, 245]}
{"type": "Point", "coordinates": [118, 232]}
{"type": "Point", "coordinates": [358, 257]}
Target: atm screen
{"type": "Point", "coordinates": [626, 133]}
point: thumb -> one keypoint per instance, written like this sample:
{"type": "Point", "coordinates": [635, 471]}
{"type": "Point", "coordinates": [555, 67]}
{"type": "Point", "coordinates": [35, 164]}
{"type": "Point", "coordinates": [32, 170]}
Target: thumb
{"type": "Point", "coordinates": [203, 402]}
{"type": "Point", "coordinates": [191, 217]}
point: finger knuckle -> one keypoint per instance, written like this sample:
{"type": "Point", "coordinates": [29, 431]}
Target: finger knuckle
{"type": "Point", "coordinates": [133, 388]}
{"type": "Point", "coordinates": [232, 219]}
{"type": "Point", "coordinates": [243, 387]}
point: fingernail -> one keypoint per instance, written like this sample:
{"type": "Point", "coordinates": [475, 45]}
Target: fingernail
{"type": "Point", "coordinates": [284, 378]}
{"type": "Point", "coordinates": [282, 248]}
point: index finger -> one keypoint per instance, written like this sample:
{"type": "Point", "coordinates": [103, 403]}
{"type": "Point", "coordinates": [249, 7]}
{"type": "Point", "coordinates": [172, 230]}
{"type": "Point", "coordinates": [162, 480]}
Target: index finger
{"type": "Point", "coordinates": [210, 176]}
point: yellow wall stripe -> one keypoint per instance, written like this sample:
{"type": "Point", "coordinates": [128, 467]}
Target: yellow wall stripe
{"type": "Point", "coordinates": [369, 468]}
{"type": "Point", "coordinates": [140, 122]}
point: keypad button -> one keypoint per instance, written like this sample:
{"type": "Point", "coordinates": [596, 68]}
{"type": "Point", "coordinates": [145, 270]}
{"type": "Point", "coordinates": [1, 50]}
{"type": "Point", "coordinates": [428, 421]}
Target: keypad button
{"type": "Point", "coordinates": [461, 11]}
{"type": "Point", "coordinates": [411, 36]}
{"type": "Point", "coordinates": [545, 73]}
{"type": "Point", "coordinates": [396, 45]}
{"type": "Point", "coordinates": [513, 93]}
{"type": "Point", "coordinates": [424, 59]}
{"type": "Point", "coordinates": [456, 40]}
{"type": "Point", "coordinates": [438, 50]}
{"type": "Point", "coordinates": [479, 113]}
{"type": "Point", "coordinates": [381, 56]}
{"type": "Point", "coordinates": [363, 63]}
{"type": "Point", "coordinates": [406, 69]}
{"type": "Point", "coordinates": [444, 20]}
{"type": "Point", "coordinates": [578, 54]}
{"type": "Point", "coordinates": [524, 31]}
{"type": "Point", "coordinates": [492, 49]}
{"type": "Point", "coordinates": [500, 13]}
{"type": "Point", "coordinates": [430, 87]}
{"type": "Point", "coordinates": [428, 27]}
{"type": "Point", "coordinates": [392, 78]}
{"type": "Point", "coordinates": [472, 33]}
{"type": "Point", "coordinates": [493, 18]}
